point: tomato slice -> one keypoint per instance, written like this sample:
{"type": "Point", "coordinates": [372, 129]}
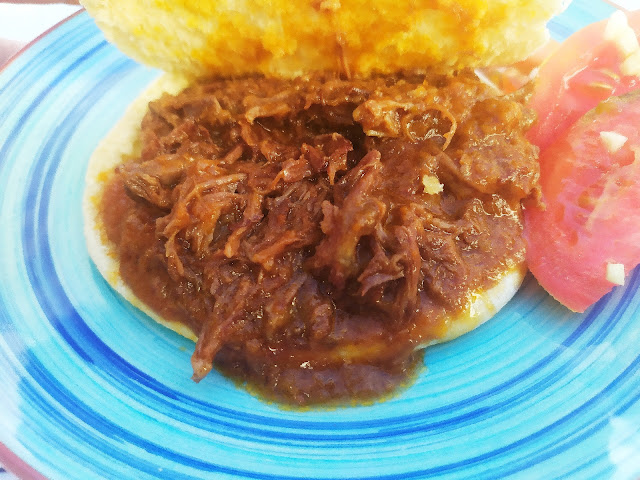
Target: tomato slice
{"type": "Point", "coordinates": [585, 70]}
{"type": "Point", "coordinates": [592, 196]}
{"type": "Point", "coordinates": [590, 190]}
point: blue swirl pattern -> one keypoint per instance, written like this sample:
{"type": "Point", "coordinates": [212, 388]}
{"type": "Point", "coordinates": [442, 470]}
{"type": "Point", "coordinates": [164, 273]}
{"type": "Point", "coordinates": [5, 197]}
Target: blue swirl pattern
{"type": "Point", "coordinates": [92, 388]}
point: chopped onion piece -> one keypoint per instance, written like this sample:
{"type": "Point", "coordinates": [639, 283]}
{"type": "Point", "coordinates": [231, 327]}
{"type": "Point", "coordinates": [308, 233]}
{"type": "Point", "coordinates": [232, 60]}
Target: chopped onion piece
{"type": "Point", "coordinates": [619, 32]}
{"type": "Point", "coordinates": [432, 185]}
{"type": "Point", "coordinates": [631, 66]}
{"type": "Point", "coordinates": [613, 141]}
{"type": "Point", "coordinates": [615, 273]}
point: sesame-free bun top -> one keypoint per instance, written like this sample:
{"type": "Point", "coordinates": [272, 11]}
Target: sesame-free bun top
{"type": "Point", "coordinates": [284, 38]}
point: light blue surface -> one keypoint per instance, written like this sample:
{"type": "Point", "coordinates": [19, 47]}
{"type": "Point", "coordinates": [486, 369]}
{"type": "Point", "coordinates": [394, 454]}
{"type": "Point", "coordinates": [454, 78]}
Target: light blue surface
{"type": "Point", "coordinates": [91, 388]}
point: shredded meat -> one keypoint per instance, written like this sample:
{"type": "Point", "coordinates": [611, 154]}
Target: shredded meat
{"type": "Point", "coordinates": [288, 225]}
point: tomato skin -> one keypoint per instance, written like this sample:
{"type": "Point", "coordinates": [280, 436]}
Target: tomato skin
{"type": "Point", "coordinates": [584, 71]}
{"type": "Point", "coordinates": [592, 200]}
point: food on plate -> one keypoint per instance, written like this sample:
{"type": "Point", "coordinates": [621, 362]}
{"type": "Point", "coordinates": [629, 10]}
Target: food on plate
{"type": "Point", "coordinates": [583, 238]}
{"type": "Point", "coordinates": [311, 234]}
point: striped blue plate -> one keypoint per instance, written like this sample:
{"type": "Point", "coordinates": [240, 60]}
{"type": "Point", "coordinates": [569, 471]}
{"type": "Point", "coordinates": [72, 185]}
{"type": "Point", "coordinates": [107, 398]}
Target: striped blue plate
{"type": "Point", "coordinates": [91, 388]}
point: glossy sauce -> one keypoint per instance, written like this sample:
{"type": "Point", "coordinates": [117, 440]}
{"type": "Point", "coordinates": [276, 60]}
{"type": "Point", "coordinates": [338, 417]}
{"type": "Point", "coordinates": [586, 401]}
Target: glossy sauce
{"type": "Point", "coordinates": [312, 233]}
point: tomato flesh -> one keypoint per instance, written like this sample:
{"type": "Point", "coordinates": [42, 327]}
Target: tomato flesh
{"type": "Point", "coordinates": [592, 200]}
{"type": "Point", "coordinates": [584, 71]}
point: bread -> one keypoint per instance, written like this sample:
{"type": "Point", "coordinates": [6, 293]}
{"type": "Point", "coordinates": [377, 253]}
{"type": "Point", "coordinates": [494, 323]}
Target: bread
{"type": "Point", "coordinates": [202, 38]}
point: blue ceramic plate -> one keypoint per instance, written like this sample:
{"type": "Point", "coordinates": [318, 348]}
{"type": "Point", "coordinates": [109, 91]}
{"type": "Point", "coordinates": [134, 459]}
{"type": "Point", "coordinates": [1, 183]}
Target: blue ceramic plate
{"type": "Point", "coordinates": [92, 388]}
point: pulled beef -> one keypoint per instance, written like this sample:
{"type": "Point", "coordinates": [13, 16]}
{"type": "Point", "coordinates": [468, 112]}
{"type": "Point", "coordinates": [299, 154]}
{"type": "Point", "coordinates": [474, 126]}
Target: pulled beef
{"type": "Point", "coordinates": [290, 225]}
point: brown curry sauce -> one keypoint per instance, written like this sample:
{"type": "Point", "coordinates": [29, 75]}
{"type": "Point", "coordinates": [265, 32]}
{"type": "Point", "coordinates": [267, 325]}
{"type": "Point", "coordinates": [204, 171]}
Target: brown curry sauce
{"type": "Point", "coordinates": [298, 227]}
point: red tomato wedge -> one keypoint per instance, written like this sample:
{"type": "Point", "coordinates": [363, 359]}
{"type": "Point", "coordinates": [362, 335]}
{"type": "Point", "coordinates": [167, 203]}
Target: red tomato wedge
{"type": "Point", "coordinates": [590, 186]}
{"type": "Point", "coordinates": [592, 198]}
{"type": "Point", "coordinates": [585, 70]}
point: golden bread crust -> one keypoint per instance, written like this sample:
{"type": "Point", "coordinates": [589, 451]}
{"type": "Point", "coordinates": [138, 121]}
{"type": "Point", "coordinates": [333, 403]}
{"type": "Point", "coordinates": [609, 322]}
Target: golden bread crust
{"type": "Point", "coordinates": [201, 38]}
